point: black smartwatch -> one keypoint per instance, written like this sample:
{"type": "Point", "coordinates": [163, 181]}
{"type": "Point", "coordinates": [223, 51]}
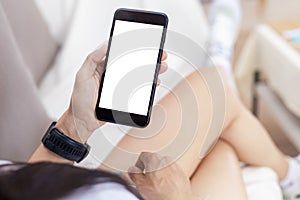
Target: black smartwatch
{"type": "Point", "coordinates": [64, 146]}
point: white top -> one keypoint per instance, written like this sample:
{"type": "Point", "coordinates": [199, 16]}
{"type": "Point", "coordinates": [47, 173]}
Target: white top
{"type": "Point", "coordinates": [111, 190]}
{"type": "Point", "coordinates": [5, 162]}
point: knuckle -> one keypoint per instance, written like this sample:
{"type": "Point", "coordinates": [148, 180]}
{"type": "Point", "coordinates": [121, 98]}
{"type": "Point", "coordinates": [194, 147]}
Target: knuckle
{"type": "Point", "coordinates": [154, 157]}
{"type": "Point", "coordinates": [158, 156]}
{"type": "Point", "coordinates": [146, 155]}
{"type": "Point", "coordinates": [167, 159]}
{"type": "Point", "coordinates": [89, 58]}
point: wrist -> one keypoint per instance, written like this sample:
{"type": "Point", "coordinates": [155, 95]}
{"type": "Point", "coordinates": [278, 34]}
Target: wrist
{"type": "Point", "coordinates": [79, 129]}
{"type": "Point", "coordinates": [66, 124]}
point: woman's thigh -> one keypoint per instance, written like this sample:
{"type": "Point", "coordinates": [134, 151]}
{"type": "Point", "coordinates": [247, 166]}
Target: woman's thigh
{"type": "Point", "coordinates": [178, 128]}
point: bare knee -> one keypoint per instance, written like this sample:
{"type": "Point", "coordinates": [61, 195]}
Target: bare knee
{"type": "Point", "coordinates": [223, 151]}
{"type": "Point", "coordinates": [218, 175]}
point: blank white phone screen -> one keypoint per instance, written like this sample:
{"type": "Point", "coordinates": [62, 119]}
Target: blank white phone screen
{"type": "Point", "coordinates": [129, 77]}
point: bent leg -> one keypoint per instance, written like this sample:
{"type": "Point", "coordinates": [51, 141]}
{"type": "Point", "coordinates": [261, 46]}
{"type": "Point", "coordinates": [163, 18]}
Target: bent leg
{"type": "Point", "coordinates": [241, 130]}
{"type": "Point", "coordinates": [250, 140]}
{"type": "Point", "coordinates": [219, 175]}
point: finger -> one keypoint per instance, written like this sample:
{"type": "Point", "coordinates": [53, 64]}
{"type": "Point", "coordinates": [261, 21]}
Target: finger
{"type": "Point", "coordinates": [151, 161]}
{"type": "Point", "coordinates": [94, 59]}
{"type": "Point", "coordinates": [135, 170]}
{"type": "Point", "coordinates": [100, 68]}
{"type": "Point", "coordinates": [98, 55]}
{"type": "Point", "coordinates": [163, 67]}
{"type": "Point", "coordinates": [99, 71]}
{"type": "Point", "coordinates": [164, 56]}
{"type": "Point", "coordinates": [140, 163]}
{"type": "Point", "coordinates": [136, 175]}
{"type": "Point", "coordinates": [102, 63]}
{"type": "Point", "coordinates": [158, 82]}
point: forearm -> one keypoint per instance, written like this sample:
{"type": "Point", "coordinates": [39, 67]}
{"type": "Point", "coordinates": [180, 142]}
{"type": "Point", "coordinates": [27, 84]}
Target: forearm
{"type": "Point", "coordinates": [42, 154]}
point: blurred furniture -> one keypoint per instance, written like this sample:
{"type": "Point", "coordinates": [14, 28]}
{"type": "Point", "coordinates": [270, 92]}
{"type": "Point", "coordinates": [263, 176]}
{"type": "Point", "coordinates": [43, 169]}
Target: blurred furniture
{"type": "Point", "coordinates": [282, 125]}
{"type": "Point", "coordinates": [283, 25]}
{"type": "Point", "coordinates": [278, 64]}
{"type": "Point", "coordinates": [27, 50]}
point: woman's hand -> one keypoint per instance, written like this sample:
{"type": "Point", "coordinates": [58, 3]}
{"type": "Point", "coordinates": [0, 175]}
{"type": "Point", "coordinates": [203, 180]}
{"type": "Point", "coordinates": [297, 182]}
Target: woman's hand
{"type": "Point", "coordinates": [156, 179]}
{"type": "Point", "coordinates": [79, 121]}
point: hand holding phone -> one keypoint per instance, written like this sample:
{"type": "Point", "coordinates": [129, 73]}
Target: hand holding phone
{"type": "Point", "coordinates": [79, 120]}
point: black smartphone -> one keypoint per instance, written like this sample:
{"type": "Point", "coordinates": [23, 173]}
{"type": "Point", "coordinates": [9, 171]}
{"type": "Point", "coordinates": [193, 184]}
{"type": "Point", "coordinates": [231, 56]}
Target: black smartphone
{"type": "Point", "coordinates": [131, 67]}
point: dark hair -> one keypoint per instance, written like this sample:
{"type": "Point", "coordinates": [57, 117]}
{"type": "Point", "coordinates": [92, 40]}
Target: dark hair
{"type": "Point", "coordinates": [51, 181]}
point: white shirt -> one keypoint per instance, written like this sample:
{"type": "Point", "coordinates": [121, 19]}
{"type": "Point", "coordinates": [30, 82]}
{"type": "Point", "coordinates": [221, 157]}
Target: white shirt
{"type": "Point", "coordinates": [5, 162]}
{"type": "Point", "coordinates": [112, 191]}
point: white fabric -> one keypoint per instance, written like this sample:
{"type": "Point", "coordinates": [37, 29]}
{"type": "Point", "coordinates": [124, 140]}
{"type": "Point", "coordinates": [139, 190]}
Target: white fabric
{"type": "Point", "coordinates": [278, 113]}
{"type": "Point", "coordinates": [262, 183]}
{"type": "Point", "coordinates": [5, 162]}
{"type": "Point", "coordinates": [112, 191]}
{"type": "Point", "coordinates": [267, 51]}
{"type": "Point", "coordinates": [224, 18]}
{"type": "Point", "coordinates": [292, 180]}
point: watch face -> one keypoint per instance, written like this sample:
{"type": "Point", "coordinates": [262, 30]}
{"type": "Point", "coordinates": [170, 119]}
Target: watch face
{"type": "Point", "coordinates": [62, 145]}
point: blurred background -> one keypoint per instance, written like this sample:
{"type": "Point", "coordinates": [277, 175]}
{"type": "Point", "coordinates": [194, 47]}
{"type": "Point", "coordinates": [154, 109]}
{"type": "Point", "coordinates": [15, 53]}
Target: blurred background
{"type": "Point", "coordinates": [44, 42]}
{"type": "Point", "coordinates": [280, 17]}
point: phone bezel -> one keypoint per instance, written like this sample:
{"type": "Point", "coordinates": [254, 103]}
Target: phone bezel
{"type": "Point", "coordinates": [124, 118]}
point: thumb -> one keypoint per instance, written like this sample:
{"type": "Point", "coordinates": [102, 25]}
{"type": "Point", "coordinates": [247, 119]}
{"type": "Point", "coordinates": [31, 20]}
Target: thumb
{"type": "Point", "coordinates": [136, 174]}
{"type": "Point", "coordinates": [94, 59]}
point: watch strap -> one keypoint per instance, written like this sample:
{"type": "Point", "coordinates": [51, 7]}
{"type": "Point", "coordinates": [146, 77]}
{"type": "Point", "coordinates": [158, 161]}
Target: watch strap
{"type": "Point", "coordinates": [63, 145]}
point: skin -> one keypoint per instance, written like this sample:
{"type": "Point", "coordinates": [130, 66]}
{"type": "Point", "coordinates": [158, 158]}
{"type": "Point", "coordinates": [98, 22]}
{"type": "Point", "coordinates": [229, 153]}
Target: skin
{"type": "Point", "coordinates": [168, 183]}
{"type": "Point", "coordinates": [251, 144]}
{"type": "Point", "coordinates": [219, 175]}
